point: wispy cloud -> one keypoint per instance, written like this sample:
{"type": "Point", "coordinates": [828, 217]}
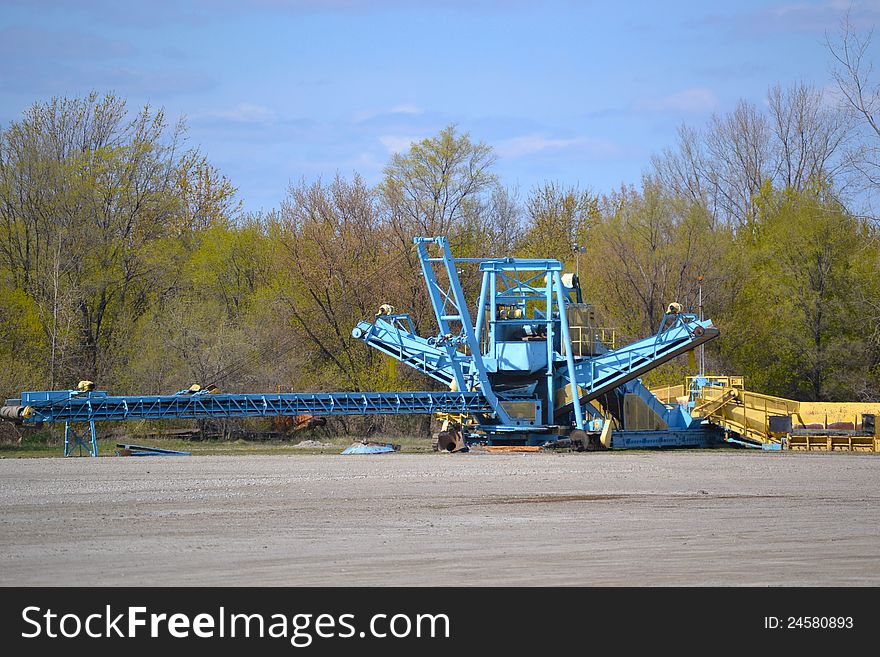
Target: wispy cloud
{"type": "Point", "coordinates": [537, 143]}
{"type": "Point", "coordinates": [204, 12]}
{"type": "Point", "coordinates": [789, 17]}
{"type": "Point", "coordinates": [395, 112]}
{"type": "Point", "coordinates": [133, 14]}
{"type": "Point", "coordinates": [158, 83]}
{"type": "Point", "coordinates": [407, 108]}
{"type": "Point", "coordinates": [35, 76]}
{"type": "Point", "coordinates": [397, 143]}
{"type": "Point", "coordinates": [22, 41]}
{"type": "Point", "coordinates": [733, 70]}
{"type": "Point", "coordinates": [240, 113]}
{"type": "Point", "coordinates": [831, 97]}
{"type": "Point", "coordinates": [696, 99]}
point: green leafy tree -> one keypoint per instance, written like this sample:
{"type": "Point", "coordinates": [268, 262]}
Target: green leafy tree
{"type": "Point", "coordinates": [649, 250]}
{"type": "Point", "coordinates": [796, 328]}
{"type": "Point", "coordinates": [439, 184]}
{"type": "Point", "coordinates": [90, 209]}
{"type": "Point", "coordinates": [443, 185]}
{"type": "Point", "coordinates": [559, 218]}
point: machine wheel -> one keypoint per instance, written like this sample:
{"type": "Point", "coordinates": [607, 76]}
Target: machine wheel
{"type": "Point", "coordinates": [580, 440]}
{"type": "Point", "coordinates": [583, 441]}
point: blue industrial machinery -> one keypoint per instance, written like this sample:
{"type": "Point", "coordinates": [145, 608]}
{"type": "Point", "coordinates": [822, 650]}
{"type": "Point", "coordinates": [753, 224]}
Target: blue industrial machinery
{"type": "Point", "coordinates": [530, 366]}
{"type": "Point", "coordinates": [520, 354]}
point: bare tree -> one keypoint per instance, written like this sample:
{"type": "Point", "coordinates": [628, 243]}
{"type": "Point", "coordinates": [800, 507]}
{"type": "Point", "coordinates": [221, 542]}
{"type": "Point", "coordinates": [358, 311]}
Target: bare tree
{"type": "Point", "coordinates": [807, 136]}
{"type": "Point", "coordinates": [684, 170]}
{"type": "Point", "coordinates": [738, 145]}
{"type": "Point", "coordinates": [500, 222]}
{"type": "Point", "coordinates": [649, 249]}
{"type": "Point", "coordinates": [725, 166]}
{"type": "Point", "coordinates": [721, 166]}
{"type": "Point", "coordinates": [860, 94]}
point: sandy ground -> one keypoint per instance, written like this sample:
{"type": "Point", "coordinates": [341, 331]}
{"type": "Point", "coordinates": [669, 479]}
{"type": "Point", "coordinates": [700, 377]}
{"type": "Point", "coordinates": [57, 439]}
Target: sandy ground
{"type": "Point", "coordinates": [634, 518]}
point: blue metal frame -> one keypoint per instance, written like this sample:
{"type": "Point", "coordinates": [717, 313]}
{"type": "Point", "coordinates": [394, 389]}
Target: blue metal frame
{"type": "Point", "coordinates": [698, 436]}
{"type": "Point", "coordinates": [99, 406]}
{"type": "Point", "coordinates": [450, 305]}
{"type": "Point", "coordinates": [389, 335]}
{"type": "Point", "coordinates": [87, 440]}
{"type": "Point", "coordinates": [677, 334]}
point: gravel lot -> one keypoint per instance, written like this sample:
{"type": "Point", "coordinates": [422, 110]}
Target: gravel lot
{"type": "Point", "coordinates": [624, 518]}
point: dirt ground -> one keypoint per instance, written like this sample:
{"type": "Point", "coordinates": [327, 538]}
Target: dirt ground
{"type": "Point", "coordinates": [625, 518]}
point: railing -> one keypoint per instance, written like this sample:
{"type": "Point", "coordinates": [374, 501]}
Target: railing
{"type": "Point", "coordinates": [669, 394]}
{"type": "Point", "coordinates": [587, 340]}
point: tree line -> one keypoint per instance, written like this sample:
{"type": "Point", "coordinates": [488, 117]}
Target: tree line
{"type": "Point", "coordinates": [126, 258]}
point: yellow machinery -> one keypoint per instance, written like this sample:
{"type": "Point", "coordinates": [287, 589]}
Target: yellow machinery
{"type": "Point", "coordinates": [774, 421]}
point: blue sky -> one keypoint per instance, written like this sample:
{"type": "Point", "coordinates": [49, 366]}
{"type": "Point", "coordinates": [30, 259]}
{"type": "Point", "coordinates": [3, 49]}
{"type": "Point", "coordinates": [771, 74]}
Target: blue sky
{"type": "Point", "coordinates": [276, 90]}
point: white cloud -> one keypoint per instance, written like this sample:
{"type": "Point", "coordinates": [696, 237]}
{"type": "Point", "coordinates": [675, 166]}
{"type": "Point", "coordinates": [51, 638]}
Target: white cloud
{"type": "Point", "coordinates": [403, 108]}
{"type": "Point", "coordinates": [242, 113]}
{"type": "Point", "coordinates": [696, 99]}
{"type": "Point", "coordinates": [397, 143]}
{"type": "Point", "coordinates": [407, 108]}
{"type": "Point", "coordinates": [536, 143]}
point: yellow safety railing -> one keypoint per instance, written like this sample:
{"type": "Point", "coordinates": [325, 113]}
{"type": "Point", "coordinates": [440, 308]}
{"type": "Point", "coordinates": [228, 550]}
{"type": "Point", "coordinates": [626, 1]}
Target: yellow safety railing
{"type": "Point", "coordinates": [669, 395]}
{"type": "Point", "coordinates": [584, 339]}
{"type": "Point", "coordinates": [748, 414]}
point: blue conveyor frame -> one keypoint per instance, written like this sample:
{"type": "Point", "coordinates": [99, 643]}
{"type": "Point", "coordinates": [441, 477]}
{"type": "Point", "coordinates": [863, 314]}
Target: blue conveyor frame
{"type": "Point", "coordinates": [98, 406]}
